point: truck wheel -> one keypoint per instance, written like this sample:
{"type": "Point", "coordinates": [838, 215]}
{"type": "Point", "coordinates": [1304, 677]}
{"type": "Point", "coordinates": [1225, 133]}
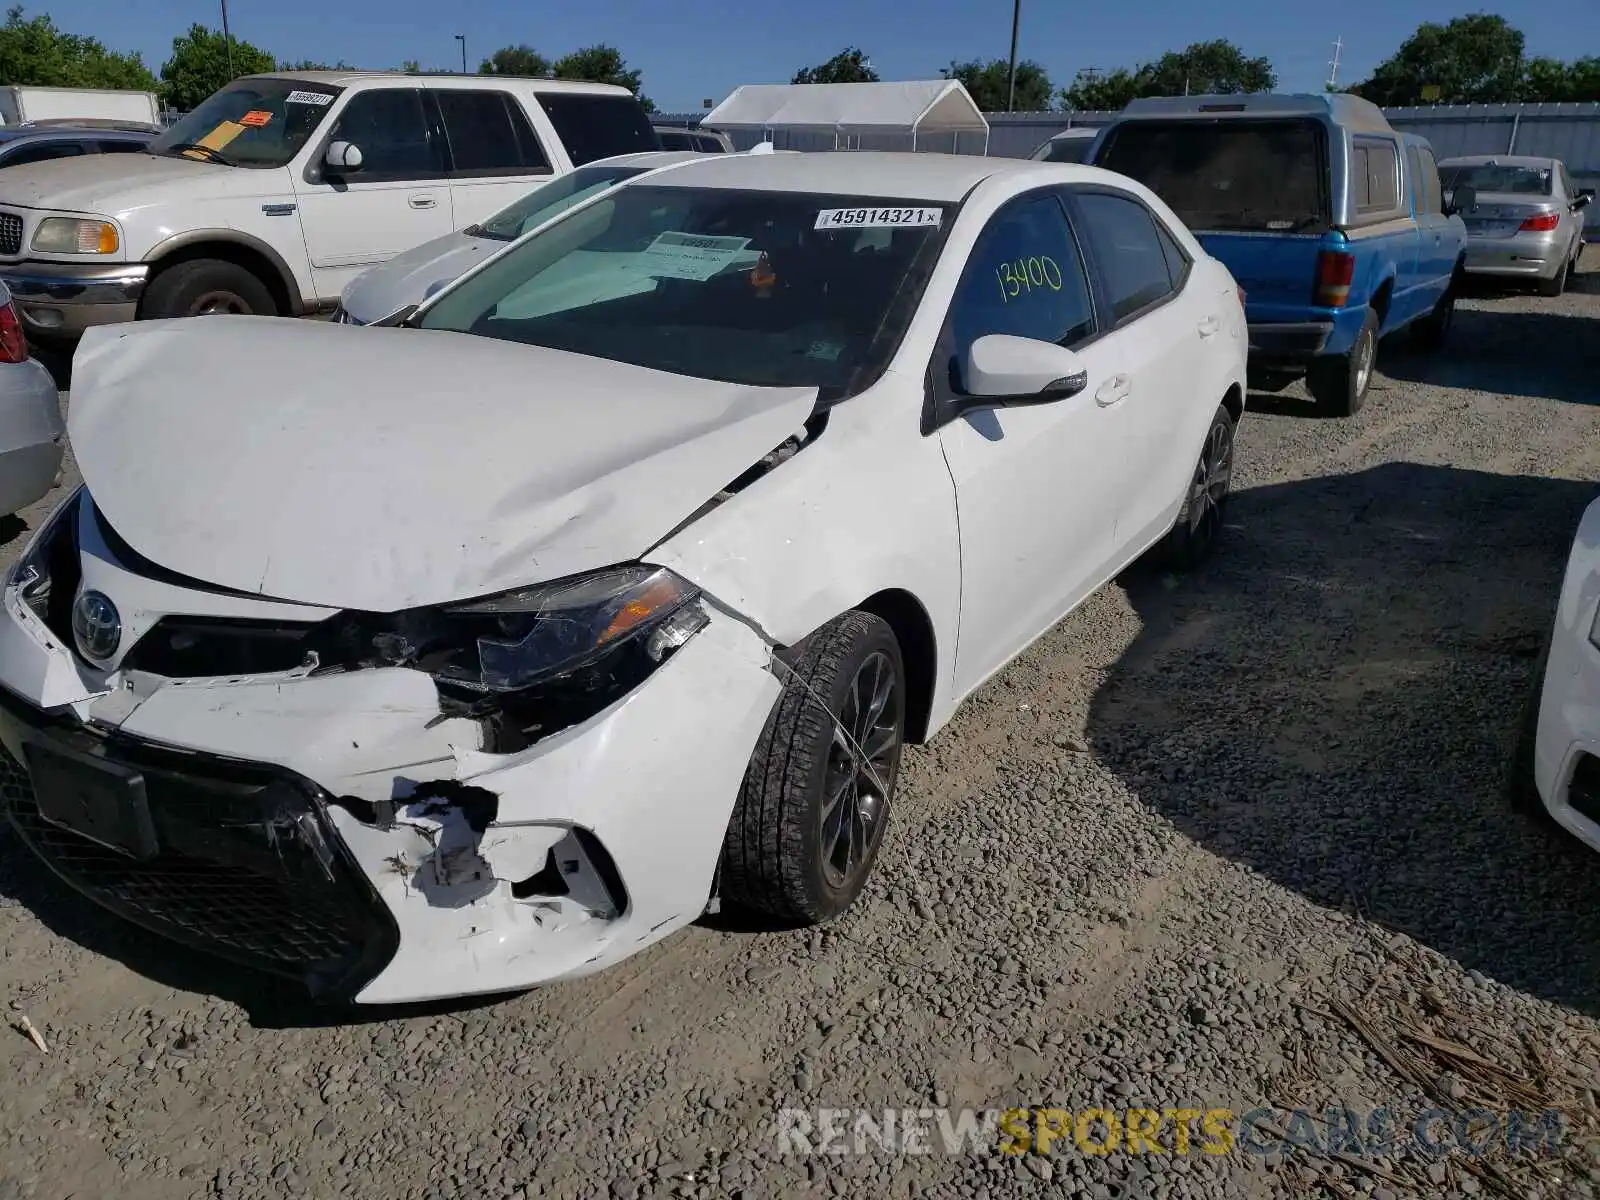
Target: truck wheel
{"type": "Point", "coordinates": [811, 814]}
{"type": "Point", "coordinates": [1429, 333]}
{"type": "Point", "coordinates": [1340, 384]}
{"type": "Point", "coordinates": [206, 285]}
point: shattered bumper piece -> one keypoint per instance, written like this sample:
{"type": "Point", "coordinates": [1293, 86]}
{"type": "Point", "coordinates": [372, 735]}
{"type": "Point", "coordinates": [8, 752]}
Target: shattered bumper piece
{"type": "Point", "coordinates": [336, 829]}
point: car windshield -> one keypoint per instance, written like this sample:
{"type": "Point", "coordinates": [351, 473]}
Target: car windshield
{"type": "Point", "coordinates": [539, 205]}
{"type": "Point", "coordinates": [770, 289]}
{"type": "Point", "coordinates": [250, 123]}
{"type": "Point", "coordinates": [1063, 150]}
{"type": "Point", "coordinates": [1496, 177]}
{"type": "Point", "coordinates": [1228, 174]}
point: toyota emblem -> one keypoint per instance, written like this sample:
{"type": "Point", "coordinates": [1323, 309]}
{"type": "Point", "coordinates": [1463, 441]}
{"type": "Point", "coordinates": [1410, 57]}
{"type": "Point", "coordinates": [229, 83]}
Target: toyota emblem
{"type": "Point", "coordinates": [96, 625]}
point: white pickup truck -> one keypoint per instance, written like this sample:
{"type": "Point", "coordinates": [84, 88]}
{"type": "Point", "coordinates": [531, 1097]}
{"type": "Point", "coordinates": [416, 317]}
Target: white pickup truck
{"type": "Point", "coordinates": [279, 189]}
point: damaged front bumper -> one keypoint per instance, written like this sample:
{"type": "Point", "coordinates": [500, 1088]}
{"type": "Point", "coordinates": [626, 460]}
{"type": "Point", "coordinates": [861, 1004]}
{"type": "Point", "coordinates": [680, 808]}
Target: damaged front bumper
{"type": "Point", "coordinates": [341, 830]}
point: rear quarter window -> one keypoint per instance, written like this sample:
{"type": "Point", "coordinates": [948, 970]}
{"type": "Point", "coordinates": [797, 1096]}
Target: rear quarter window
{"type": "Point", "coordinates": [1375, 176]}
{"type": "Point", "coordinates": [595, 127]}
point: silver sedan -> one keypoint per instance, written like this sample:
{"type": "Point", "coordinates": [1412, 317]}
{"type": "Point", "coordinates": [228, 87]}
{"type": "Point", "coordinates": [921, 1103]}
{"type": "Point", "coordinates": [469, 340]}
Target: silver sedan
{"type": "Point", "coordinates": [31, 429]}
{"type": "Point", "coordinates": [1524, 218]}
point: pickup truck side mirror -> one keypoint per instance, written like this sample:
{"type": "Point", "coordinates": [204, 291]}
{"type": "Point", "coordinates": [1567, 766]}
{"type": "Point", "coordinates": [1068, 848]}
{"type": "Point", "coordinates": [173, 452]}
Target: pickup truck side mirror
{"type": "Point", "coordinates": [342, 157]}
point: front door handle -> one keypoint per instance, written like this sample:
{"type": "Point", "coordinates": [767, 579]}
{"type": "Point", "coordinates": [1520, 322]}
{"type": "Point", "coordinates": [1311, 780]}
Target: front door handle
{"type": "Point", "coordinates": [1114, 390]}
{"type": "Point", "coordinates": [1210, 326]}
{"type": "Point", "coordinates": [422, 201]}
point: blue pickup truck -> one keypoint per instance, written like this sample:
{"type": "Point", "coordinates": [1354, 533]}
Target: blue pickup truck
{"type": "Point", "coordinates": [1332, 222]}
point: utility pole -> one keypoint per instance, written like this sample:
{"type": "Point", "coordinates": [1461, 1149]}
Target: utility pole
{"type": "Point", "coordinates": [1333, 67]}
{"type": "Point", "coordinates": [227, 38]}
{"type": "Point", "coordinates": [1011, 74]}
{"type": "Point", "coordinates": [462, 38]}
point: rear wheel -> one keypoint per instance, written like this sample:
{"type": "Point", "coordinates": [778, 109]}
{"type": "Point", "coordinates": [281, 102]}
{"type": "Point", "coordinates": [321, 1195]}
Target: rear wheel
{"type": "Point", "coordinates": [815, 801]}
{"type": "Point", "coordinates": [206, 285]}
{"type": "Point", "coordinates": [1194, 538]}
{"type": "Point", "coordinates": [1340, 384]}
{"type": "Point", "coordinates": [1555, 285]}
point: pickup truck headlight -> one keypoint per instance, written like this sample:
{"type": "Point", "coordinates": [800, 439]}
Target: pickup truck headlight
{"type": "Point", "coordinates": [73, 235]}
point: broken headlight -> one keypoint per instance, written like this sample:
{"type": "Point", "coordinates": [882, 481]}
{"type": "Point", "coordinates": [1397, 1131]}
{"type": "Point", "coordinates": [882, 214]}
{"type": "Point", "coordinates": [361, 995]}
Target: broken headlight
{"type": "Point", "coordinates": [518, 640]}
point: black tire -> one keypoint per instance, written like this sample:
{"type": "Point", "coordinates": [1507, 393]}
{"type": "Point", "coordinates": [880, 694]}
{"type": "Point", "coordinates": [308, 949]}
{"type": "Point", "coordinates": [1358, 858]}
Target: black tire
{"type": "Point", "coordinates": [1555, 285]}
{"type": "Point", "coordinates": [1429, 333]}
{"type": "Point", "coordinates": [1194, 538]}
{"type": "Point", "coordinates": [776, 853]}
{"type": "Point", "coordinates": [206, 285]}
{"type": "Point", "coordinates": [1340, 384]}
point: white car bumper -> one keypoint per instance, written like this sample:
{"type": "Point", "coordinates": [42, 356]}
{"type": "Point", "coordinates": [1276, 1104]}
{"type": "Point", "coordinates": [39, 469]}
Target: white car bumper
{"type": "Point", "coordinates": [335, 828]}
{"type": "Point", "coordinates": [1567, 745]}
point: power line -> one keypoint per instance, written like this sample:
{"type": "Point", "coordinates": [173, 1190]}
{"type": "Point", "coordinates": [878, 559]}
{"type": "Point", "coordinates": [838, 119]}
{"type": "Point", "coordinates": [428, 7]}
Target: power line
{"type": "Point", "coordinates": [1333, 67]}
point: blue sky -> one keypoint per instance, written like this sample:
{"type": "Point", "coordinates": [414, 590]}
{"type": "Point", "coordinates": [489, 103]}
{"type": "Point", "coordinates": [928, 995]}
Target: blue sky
{"type": "Point", "coordinates": [690, 52]}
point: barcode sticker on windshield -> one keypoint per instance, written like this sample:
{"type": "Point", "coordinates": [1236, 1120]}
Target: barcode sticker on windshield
{"type": "Point", "coordinates": [317, 98]}
{"type": "Point", "coordinates": [878, 218]}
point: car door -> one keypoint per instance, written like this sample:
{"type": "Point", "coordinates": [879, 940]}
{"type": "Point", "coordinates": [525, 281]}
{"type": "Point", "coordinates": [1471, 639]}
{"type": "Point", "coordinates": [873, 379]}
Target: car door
{"type": "Point", "coordinates": [1037, 487]}
{"type": "Point", "coordinates": [1436, 255]}
{"type": "Point", "coordinates": [495, 156]}
{"type": "Point", "coordinates": [398, 198]}
{"type": "Point", "coordinates": [1166, 332]}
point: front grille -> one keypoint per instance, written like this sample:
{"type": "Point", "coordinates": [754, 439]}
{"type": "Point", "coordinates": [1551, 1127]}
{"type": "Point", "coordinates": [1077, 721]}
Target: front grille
{"type": "Point", "coordinates": [196, 647]}
{"type": "Point", "coordinates": [10, 233]}
{"type": "Point", "coordinates": [249, 868]}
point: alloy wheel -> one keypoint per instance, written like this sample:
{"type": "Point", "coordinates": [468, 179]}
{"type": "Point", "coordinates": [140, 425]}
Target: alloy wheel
{"type": "Point", "coordinates": [219, 302]}
{"type": "Point", "coordinates": [862, 763]}
{"type": "Point", "coordinates": [1212, 476]}
{"type": "Point", "coordinates": [1364, 355]}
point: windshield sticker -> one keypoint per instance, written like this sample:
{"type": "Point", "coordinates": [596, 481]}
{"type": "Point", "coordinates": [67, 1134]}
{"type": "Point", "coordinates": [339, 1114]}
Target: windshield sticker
{"type": "Point", "coordinates": [825, 351]}
{"type": "Point", "coordinates": [687, 256]}
{"type": "Point", "coordinates": [1027, 275]}
{"type": "Point", "coordinates": [256, 118]}
{"type": "Point", "coordinates": [878, 218]}
{"type": "Point", "coordinates": [217, 140]}
{"type": "Point", "coordinates": [317, 98]}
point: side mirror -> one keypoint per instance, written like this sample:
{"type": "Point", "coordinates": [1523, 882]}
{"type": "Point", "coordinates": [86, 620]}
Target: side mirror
{"type": "Point", "coordinates": [1462, 200]}
{"type": "Point", "coordinates": [1002, 371]}
{"type": "Point", "coordinates": [1583, 200]}
{"type": "Point", "coordinates": [341, 157]}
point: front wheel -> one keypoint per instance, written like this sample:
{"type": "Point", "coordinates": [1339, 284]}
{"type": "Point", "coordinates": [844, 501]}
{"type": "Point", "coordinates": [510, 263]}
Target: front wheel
{"type": "Point", "coordinates": [1194, 538]}
{"type": "Point", "coordinates": [1340, 384]}
{"type": "Point", "coordinates": [203, 286]}
{"type": "Point", "coordinates": [1430, 332]}
{"type": "Point", "coordinates": [811, 813]}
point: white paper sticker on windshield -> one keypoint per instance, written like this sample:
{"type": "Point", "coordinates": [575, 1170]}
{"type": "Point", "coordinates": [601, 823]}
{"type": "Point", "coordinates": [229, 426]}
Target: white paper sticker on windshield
{"type": "Point", "coordinates": [687, 256]}
{"type": "Point", "coordinates": [877, 218]}
{"type": "Point", "coordinates": [318, 98]}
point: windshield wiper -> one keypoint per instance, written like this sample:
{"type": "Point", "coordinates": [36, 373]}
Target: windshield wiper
{"type": "Point", "coordinates": [216, 156]}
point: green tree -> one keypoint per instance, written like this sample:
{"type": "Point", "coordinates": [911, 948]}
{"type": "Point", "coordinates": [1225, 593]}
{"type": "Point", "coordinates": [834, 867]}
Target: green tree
{"type": "Point", "coordinates": [1471, 60]}
{"type": "Point", "coordinates": [988, 84]}
{"type": "Point", "coordinates": [199, 66]}
{"type": "Point", "coordinates": [850, 65]}
{"type": "Point", "coordinates": [1207, 68]}
{"type": "Point", "coordinates": [410, 67]}
{"type": "Point", "coordinates": [1549, 79]}
{"type": "Point", "coordinates": [516, 60]}
{"type": "Point", "coordinates": [35, 53]}
{"type": "Point", "coordinates": [601, 64]}
{"type": "Point", "coordinates": [1093, 92]}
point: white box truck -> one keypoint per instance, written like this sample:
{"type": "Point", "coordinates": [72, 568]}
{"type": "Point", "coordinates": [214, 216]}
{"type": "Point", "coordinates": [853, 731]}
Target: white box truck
{"type": "Point", "coordinates": [20, 105]}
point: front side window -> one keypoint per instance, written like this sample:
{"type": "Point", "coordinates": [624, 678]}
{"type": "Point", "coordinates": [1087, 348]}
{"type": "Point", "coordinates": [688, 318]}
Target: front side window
{"type": "Point", "coordinates": [484, 133]}
{"type": "Point", "coordinates": [1024, 278]}
{"type": "Point", "coordinates": [121, 147]}
{"type": "Point", "coordinates": [555, 197]}
{"type": "Point", "coordinates": [771, 289]}
{"type": "Point", "coordinates": [41, 152]}
{"type": "Point", "coordinates": [388, 126]}
{"type": "Point", "coordinates": [250, 123]}
{"type": "Point", "coordinates": [1128, 249]}
{"type": "Point", "coordinates": [592, 127]}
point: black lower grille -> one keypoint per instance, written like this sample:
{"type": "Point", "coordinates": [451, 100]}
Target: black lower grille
{"type": "Point", "coordinates": [1583, 793]}
{"type": "Point", "coordinates": [10, 233]}
{"type": "Point", "coordinates": [248, 867]}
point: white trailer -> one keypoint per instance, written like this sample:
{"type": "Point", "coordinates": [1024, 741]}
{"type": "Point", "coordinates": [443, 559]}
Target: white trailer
{"type": "Point", "coordinates": [20, 105]}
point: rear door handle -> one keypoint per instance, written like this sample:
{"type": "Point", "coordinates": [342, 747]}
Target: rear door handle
{"type": "Point", "coordinates": [1114, 390]}
{"type": "Point", "coordinates": [421, 201]}
{"type": "Point", "coordinates": [1210, 326]}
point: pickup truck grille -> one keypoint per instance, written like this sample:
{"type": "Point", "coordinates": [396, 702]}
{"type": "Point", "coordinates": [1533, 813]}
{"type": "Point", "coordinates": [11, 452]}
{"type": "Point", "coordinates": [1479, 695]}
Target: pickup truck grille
{"type": "Point", "coordinates": [10, 233]}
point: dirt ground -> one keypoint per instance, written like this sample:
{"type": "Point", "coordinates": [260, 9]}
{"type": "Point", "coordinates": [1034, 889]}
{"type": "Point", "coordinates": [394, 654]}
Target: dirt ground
{"type": "Point", "coordinates": [1227, 841]}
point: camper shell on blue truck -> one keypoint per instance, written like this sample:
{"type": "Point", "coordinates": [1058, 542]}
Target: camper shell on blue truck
{"type": "Point", "coordinates": [1332, 222]}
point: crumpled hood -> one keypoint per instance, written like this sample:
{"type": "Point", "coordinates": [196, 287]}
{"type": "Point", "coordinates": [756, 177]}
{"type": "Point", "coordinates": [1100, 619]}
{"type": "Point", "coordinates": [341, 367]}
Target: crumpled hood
{"type": "Point", "coordinates": [111, 184]}
{"type": "Point", "coordinates": [411, 277]}
{"type": "Point", "coordinates": [382, 469]}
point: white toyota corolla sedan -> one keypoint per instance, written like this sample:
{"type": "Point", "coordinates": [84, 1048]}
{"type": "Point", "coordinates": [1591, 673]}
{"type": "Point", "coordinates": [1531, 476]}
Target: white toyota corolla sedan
{"type": "Point", "coordinates": [488, 649]}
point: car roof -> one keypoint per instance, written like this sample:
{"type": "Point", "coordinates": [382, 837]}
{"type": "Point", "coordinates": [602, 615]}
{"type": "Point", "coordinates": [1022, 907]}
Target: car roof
{"type": "Point", "coordinates": [1500, 160]}
{"type": "Point", "coordinates": [347, 78]}
{"type": "Point", "coordinates": [647, 158]}
{"type": "Point", "coordinates": [1081, 131]}
{"type": "Point", "coordinates": [907, 176]}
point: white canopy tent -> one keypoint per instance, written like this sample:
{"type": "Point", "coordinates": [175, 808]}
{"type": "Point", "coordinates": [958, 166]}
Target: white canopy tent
{"type": "Point", "coordinates": [850, 111]}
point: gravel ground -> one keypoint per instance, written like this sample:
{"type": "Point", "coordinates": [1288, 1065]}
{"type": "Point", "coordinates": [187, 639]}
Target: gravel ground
{"type": "Point", "coordinates": [1179, 855]}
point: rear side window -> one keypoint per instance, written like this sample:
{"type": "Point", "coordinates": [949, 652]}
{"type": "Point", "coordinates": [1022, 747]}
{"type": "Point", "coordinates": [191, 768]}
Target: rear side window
{"type": "Point", "coordinates": [593, 127]}
{"type": "Point", "coordinates": [1127, 247]}
{"type": "Point", "coordinates": [1375, 176]}
{"type": "Point", "coordinates": [1228, 173]}
{"type": "Point", "coordinates": [707, 144]}
{"type": "Point", "coordinates": [675, 139]}
{"type": "Point", "coordinates": [42, 152]}
{"type": "Point", "coordinates": [1067, 150]}
{"type": "Point", "coordinates": [484, 133]}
